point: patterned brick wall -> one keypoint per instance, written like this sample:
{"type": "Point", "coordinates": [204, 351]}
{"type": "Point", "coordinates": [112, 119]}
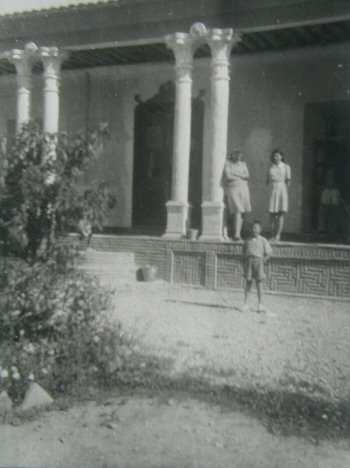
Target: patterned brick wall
{"type": "Point", "coordinates": [308, 269]}
{"type": "Point", "coordinates": [229, 273]}
{"type": "Point", "coordinates": [188, 268]}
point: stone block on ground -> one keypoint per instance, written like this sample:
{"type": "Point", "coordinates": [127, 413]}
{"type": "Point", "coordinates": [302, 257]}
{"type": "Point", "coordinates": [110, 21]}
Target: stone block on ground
{"type": "Point", "coordinates": [36, 397]}
{"type": "Point", "coordinates": [5, 403]}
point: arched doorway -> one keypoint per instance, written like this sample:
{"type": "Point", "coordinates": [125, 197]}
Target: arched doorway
{"type": "Point", "coordinates": [153, 154]}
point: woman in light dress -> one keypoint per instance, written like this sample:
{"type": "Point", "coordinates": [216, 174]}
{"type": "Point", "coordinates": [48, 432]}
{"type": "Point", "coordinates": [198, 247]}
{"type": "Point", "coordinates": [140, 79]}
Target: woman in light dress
{"type": "Point", "coordinates": [278, 178]}
{"type": "Point", "coordinates": [236, 190]}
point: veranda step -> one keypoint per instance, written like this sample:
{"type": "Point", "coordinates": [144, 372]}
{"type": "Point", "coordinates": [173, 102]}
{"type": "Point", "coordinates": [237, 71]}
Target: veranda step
{"type": "Point", "coordinates": [110, 266]}
{"type": "Point", "coordinates": [106, 257]}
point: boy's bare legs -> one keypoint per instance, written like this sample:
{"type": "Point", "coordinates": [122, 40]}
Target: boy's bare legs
{"type": "Point", "coordinates": [259, 288]}
{"type": "Point", "coordinates": [280, 221]}
{"type": "Point", "coordinates": [248, 287]}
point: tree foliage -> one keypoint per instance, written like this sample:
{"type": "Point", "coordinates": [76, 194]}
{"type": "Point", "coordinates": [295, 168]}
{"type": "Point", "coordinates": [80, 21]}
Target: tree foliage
{"type": "Point", "coordinates": [53, 316]}
{"type": "Point", "coordinates": [40, 200]}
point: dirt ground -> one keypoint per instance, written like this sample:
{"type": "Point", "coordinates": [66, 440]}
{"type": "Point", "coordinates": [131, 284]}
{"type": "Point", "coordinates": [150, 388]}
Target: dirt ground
{"type": "Point", "coordinates": [157, 431]}
{"type": "Point", "coordinates": [299, 344]}
{"type": "Point", "coordinates": [204, 333]}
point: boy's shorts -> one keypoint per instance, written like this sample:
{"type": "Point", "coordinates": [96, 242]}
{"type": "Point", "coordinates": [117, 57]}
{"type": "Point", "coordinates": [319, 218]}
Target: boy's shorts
{"type": "Point", "coordinates": [254, 269]}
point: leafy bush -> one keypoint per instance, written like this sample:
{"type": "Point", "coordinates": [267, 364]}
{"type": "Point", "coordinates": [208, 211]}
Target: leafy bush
{"type": "Point", "coordinates": [54, 329]}
{"type": "Point", "coordinates": [39, 198]}
{"type": "Point", "coordinates": [53, 317]}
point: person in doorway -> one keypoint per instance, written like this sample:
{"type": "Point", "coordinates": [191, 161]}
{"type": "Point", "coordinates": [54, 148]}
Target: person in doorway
{"type": "Point", "coordinates": [256, 252]}
{"type": "Point", "coordinates": [278, 178]}
{"type": "Point", "coordinates": [236, 177]}
{"type": "Point", "coordinates": [329, 205]}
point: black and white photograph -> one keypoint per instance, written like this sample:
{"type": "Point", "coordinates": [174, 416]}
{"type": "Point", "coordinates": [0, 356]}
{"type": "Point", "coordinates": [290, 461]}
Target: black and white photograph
{"type": "Point", "coordinates": [174, 233]}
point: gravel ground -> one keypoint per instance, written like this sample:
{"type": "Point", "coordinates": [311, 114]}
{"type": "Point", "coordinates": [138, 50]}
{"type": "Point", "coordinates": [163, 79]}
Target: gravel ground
{"type": "Point", "coordinates": [299, 342]}
{"type": "Point", "coordinates": [299, 345]}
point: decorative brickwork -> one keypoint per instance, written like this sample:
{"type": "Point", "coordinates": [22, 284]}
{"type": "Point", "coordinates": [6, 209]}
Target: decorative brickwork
{"type": "Point", "coordinates": [308, 269]}
{"type": "Point", "coordinates": [307, 276]}
{"type": "Point", "coordinates": [282, 275]}
{"type": "Point", "coordinates": [229, 271]}
{"type": "Point", "coordinates": [189, 268]}
{"type": "Point", "coordinates": [339, 280]}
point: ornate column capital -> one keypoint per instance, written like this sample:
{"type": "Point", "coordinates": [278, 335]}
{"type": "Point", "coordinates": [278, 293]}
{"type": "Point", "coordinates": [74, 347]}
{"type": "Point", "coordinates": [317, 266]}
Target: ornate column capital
{"type": "Point", "coordinates": [221, 42]}
{"type": "Point", "coordinates": [23, 59]}
{"type": "Point", "coordinates": [52, 58]}
{"type": "Point", "coordinates": [184, 44]}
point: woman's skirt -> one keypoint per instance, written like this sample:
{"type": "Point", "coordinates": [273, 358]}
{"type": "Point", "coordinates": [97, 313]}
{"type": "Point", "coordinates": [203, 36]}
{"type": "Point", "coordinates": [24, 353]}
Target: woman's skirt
{"type": "Point", "coordinates": [238, 197]}
{"type": "Point", "coordinates": [278, 198]}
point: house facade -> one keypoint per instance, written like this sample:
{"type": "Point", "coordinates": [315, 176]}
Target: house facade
{"type": "Point", "coordinates": [182, 83]}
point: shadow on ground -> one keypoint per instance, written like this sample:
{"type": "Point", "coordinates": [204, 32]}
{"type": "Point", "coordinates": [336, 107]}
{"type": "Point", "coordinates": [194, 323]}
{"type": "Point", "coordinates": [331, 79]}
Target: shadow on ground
{"type": "Point", "coordinates": [292, 410]}
{"type": "Point", "coordinates": [302, 412]}
{"type": "Point", "coordinates": [202, 304]}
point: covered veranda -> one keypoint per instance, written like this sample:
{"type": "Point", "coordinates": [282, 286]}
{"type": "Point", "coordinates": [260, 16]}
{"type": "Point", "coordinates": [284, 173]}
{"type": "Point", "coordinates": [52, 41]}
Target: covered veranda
{"type": "Point", "coordinates": [220, 47]}
{"type": "Point", "coordinates": [297, 268]}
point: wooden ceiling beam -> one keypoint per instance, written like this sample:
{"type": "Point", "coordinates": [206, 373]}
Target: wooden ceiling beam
{"type": "Point", "coordinates": [316, 32]}
{"type": "Point", "coordinates": [260, 38]}
{"type": "Point", "coordinates": [266, 37]}
{"type": "Point", "coordinates": [281, 38]}
{"type": "Point", "coordinates": [293, 38]}
{"type": "Point", "coordinates": [259, 44]}
{"type": "Point", "coordinates": [330, 33]}
{"type": "Point", "coordinates": [343, 28]}
{"type": "Point", "coordinates": [242, 47]}
{"type": "Point", "coordinates": [114, 54]}
{"type": "Point", "coordinates": [306, 35]}
{"type": "Point", "coordinates": [97, 57]}
{"type": "Point", "coordinates": [79, 57]}
{"type": "Point", "coordinates": [249, 42]}
{"type": "Point", "coordinates": [117, 54]}
{"type": "Point", "coordinates": [165, 52]}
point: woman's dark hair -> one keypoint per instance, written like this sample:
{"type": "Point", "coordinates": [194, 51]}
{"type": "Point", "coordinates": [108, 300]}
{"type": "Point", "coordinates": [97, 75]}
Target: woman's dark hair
{"type": "Point", "coordinates": [234, 154]}
{"type": "Point", "coordinates": [276, 151]}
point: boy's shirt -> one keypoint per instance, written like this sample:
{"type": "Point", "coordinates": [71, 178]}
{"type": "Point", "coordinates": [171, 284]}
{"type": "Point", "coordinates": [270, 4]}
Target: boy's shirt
{"type": "Point", "coordinates": [257, 247]}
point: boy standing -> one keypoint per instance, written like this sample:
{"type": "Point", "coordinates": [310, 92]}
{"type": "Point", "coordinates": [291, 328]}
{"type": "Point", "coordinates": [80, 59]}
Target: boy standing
{"type": "Point", "coordinates": [256, 252]}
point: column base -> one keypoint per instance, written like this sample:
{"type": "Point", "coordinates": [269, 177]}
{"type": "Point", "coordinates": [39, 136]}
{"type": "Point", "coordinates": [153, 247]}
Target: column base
{"type": "Point", "coordinates": [178, 219]}
{"type": "Point", "coordinates": [212, 221]}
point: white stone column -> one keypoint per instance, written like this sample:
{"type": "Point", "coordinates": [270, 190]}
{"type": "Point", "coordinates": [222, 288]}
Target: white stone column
{"type": "Point", "coordinates": [52, 59]}
{"type": "Point", "coordinates": [220, 42]}
{"type": "Point", "coordinates": [178, 208]}
{"type": "Point", "coordinates": [23, 61]}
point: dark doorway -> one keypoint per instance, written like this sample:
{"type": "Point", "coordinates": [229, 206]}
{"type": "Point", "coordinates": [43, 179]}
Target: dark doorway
{"type": "Point", "coordinates": [326, 157]}
{"type": "Point", "coordinates": [153, 154]}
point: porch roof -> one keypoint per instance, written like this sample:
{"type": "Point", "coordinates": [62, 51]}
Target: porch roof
{"type": "Point", "coordinates": [268, 25]}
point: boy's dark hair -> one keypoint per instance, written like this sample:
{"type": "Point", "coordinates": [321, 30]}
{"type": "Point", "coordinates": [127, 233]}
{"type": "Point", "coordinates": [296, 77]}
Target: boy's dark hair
{"type": "Point", "coordinates": [256, 221]}
{"type": "Point", "coordinates": [277, 151]}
